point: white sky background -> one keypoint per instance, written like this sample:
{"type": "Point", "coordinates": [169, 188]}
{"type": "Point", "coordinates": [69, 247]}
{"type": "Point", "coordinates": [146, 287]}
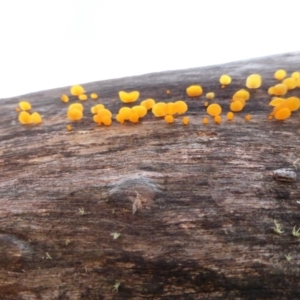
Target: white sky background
{"type": "Point", "coordinates": [53, 43]}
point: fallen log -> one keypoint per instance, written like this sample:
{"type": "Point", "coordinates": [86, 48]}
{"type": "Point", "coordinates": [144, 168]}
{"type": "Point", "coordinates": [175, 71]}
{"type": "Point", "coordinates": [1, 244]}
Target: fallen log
{"type": "Point", "coordinates": [152, 210]}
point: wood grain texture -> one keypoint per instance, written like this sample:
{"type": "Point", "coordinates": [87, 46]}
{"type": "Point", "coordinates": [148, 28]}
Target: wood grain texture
{"type": "Point", "coordinates": [205, 195]}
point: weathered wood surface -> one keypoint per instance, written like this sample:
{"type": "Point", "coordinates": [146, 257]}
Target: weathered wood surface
{"type": "Point", "coordinates": [208, 197]}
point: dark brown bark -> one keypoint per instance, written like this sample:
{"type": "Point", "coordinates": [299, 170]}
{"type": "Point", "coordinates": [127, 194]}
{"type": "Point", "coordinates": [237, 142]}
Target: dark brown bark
{"type": "Point", "coordinates": [204, 196]}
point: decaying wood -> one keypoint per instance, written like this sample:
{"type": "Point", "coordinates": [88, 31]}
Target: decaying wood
{"type": "Point", "coordinates": [151, 210]}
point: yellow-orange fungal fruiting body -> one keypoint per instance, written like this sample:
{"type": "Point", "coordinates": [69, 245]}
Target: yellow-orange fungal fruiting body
{"type": "Point", "coordinates": [236, 106]}
{"type": "Point", "coordinates": [206, 103]}
{"type": "Point", "coordinates": [276, 101]}
{"type": "Point", "coordinates": [180, 107]}
{"type": "Point", "coordinates": [280, 74]}
{"type": "Point", "coordinates": [270, 117]}
{"type": "Point", "coordinates": [96, 108]}
{"type": "Point", "coordinates": [241, 94]}
{"type": "Point", "coordinates": [104, 112]}
{"type": "Point", "coordinates": [125, 112]}
{"type": "Point", "coordinates": [217, 119]}
{"type": "Point", "coordinates": [278, 89]}
{"type": "Point", "coordinates": [210, 95]}
{"type": "Point", "coordinates": [205, 121]}
{"type": "Point", "coordinates": [248, 117]}
{"type": "Point", "coordinates": [64, 98]}
{"type": "Point", "coordinates": [185, 121]}
{"type": "Point", "coordinates": [214, 109]}
{"type": "Point", "coordinates": [69, 127]}
{"type": "Point", "coordinates": [83, 97]}
{"type": "Point", "coordinates": [194, 91]}
{"type": "Point", "coordinates": [159, 109]}
{"type": "Point", "coordinates": [36, 118]}
{"type": "Point", "coordinates": [74, 114]}
{"type": "Point", "coordinates": [94, 96]}
{"type": "Point", "coordinates": [295, 75]}
{"type": "Point", "coordinates": [106, 120]}
{"type": "Point", "coordinates": [129, 97]}
{"type": "Point", "coordinates": [282, 114]}
{"type": "Point", "coordinates": [140, 110]}
{"type": "Point", "coordinates": [168, 92]}
{"type": "Point", "coordinates": [253, 81]}
{"type": "Point", "coordinates": [148, 103]}
{"type": "Point", "coordinates": [120, 118]}
{"type": "Point", "coordinates": [134, 117]}
{"type": "Point", "coordinates": [78, 106]}
{"type": "Point", "coordinates": [293, 103]}
{"type": "Point", "coordinates": [17, 109]}
{"type": "Point", "coordinates": [170, 108]}
{"type": "Point", "coordinates": [24, 117]}
{"type": "Point", "coordinates": [169, 119]}
{"type": "Point", "coordinates": [230, 116]}
{"type": "Point", "coordinates": [97, 119]}
{"type": "Point", "coordinates": [76, 90]}
{"type": "Point", "coordinates": [290, 83]}
{"type": "Point", "coordinates": [225, 79]}
{"type": "Point", "coordinates": [25, 105]}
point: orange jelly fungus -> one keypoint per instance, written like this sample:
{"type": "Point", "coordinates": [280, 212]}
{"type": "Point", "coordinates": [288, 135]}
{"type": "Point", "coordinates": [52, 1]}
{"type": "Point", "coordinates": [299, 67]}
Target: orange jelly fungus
{"type": "Point", "coordinates": [295, 75]}
{"type": "Point", "coordinates": [124, 112]}
{"type": "Point", "coordinates": [77, 90]}
{"type": "Point", "coordinates": [293, 103]}
{"type": "Point", "coordinates": [140, 110]}
{"type": "Point", "coordinates": [253, 81]}
{"type": "Point", "coordinates": [148, 103]}
{"type": "Point", "coordinates": [78, 106]}
{"type": "Point", "coordinates": [278, 90]}
{"type": "Point", "coordinates": [36, 118]}
{"type": "Point", "coordinates": [214, 109]}
{"type": "Point", "coordinates": [230, 116]}
{"type": "Point", "coordinates": [159, 109]}
{"type": "Point", "coordinates": [290, 83]}
{"type": "Point", "coordinates": [185, 120]}
{"type": "Point", "coordinates": [94, 96]}
{"type": "Point", "coordinates": [69, 127]}
{"type": "Point", "coordinates": [248, 117]}
{"type": "Point", "coordinates": [129, 97]}
{"type": "Point", "coordinates": [168, 92]}
{"type": "Point", "coordinates": [169, 119]}
{"type": "Point", "coordinates": [241, 94]}
{"type": "Point", "coordinates": [205, 103]}
{"type": "Point", "coordinates": [282, 114]}
{"type": "Point", "coordinates": [96, 108]}
{"type": "Point", "coordinates": [236, 106]}
{"type": "Point", "coordinates": [104, 112]}
{"type": "Point", "coordinates": [194, 91]}
{"type": "Point", "coordinates": [24, 117]}
{"type": "Point", "coordinates": [170, 108]}
{"type": "Point", "coordinates": [210, 95]}
{"type": "Point", "coordinates": [180, 107]}
{"type": "Point", "coordinates": [280, 74]}
{"type": "Point", "coordinates": [217, 119]}
{"type": "Point", "coordinates": [106, 120]}
{"type": "Point", "coordinates": [82, 97]}
{"type": "Point", "coordinates": [276, 101]}
{"type": "Point", "coordinates": [25, 105]}
{"type": "Point", "coordinates": [205, 121]}
{"type": "Point", "coordinates": [120, 118]}
{"type": "Point", "coordinates": [74, 114]}
{"type": "Point", "coordinates": [64, 98]}
{"type": "Point", "coordinates": [225, 79]}
{"type": "Point", "coordinates": [134, 117]}
{"type": "Point", "coordinates": [17, 109]}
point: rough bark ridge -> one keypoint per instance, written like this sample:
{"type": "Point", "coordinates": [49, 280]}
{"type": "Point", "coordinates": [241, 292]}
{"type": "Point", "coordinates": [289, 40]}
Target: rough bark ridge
{"type": "Point", "coordinates": [204, 196]}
